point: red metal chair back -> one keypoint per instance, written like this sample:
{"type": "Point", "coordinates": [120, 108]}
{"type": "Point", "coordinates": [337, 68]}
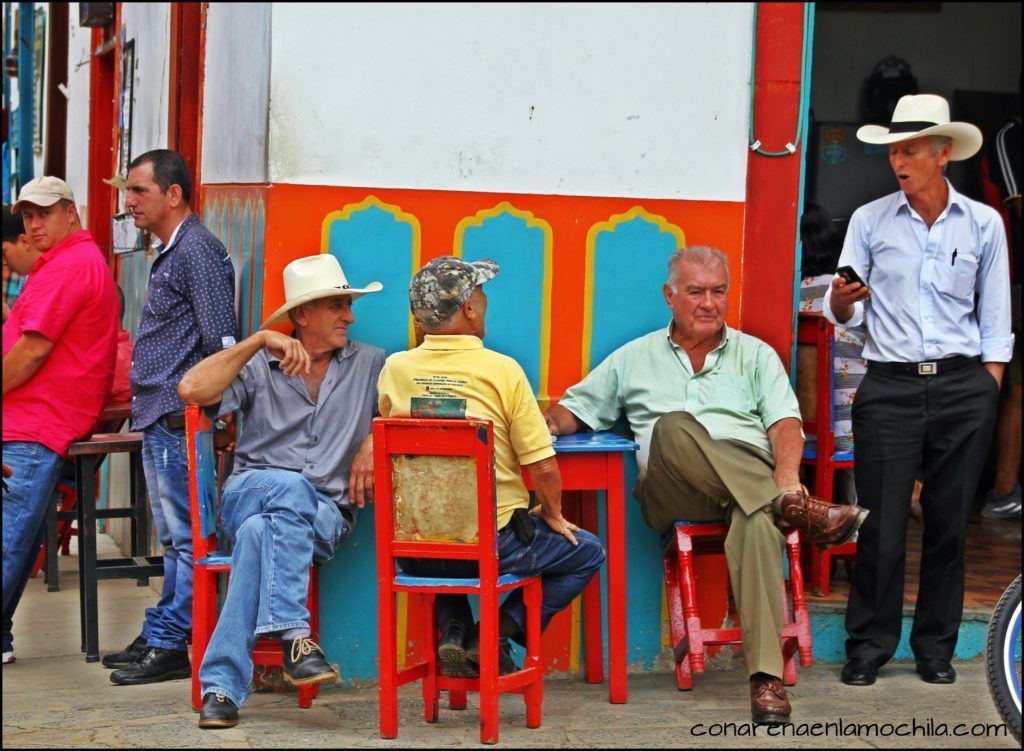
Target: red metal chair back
{"type": "Point", "coordinates": [425, 506]}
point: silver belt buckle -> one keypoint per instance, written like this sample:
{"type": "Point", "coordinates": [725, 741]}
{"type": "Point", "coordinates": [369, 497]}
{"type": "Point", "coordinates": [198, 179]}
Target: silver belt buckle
{"type": "Point", "coordinates": [927, 368]}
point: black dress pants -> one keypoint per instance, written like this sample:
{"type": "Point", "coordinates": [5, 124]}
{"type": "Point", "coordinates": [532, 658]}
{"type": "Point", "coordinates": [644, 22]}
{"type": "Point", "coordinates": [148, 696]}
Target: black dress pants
{"type": "Point", "coordinates": [904, 423]}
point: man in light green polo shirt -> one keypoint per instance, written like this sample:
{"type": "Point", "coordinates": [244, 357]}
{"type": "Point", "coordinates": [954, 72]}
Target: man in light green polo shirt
{"type": "Point", "coordinates": [720, 437]}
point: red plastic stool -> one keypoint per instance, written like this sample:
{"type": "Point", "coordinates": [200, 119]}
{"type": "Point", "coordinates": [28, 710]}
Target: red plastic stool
{"type": "Point", "coordinates": [690, 637]}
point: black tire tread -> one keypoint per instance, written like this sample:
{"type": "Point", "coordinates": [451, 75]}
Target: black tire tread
{"type": "Point", "coordinates": [993, 657]}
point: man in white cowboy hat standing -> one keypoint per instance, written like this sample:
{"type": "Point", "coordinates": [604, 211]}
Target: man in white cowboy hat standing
{"type": "Point", "coordinates": [303, 467]}
{"type": "Point", "coordinates": [936, 305]}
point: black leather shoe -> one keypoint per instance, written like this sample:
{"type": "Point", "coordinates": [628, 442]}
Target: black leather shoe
{"type": "Point", "coordinates": [506, 664]}
{"type": "Point", "coordinates": [857, 672]}
{"type": "Point", "coordinates": [155, 665]}
{"type": "Point", "coordinates": [126, 656]}
{"type": "Point", "coordinates": [217, 712]}
{"type": "Point", "coordinates": [451, 650]}
{"type": "Point", "coordinates": [936, 671]}
{"type": "Point", "coordinates": [305, 663]}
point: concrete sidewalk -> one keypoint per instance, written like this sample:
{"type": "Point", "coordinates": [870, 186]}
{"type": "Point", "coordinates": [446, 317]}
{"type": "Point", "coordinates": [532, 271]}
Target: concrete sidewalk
{"type": "Point", "coordinates": [52, 698]}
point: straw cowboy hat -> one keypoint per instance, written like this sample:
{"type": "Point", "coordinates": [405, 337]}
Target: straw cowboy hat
{"type": "Point", "coordinates": [311, 278]}
{"type": "Point", "coordinates": [918, 115]}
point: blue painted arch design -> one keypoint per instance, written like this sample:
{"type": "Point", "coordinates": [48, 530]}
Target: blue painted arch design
{"type": "Point", "coordinates": [519, 298]}
{"type": "Point", "coordinates": [377, 242]}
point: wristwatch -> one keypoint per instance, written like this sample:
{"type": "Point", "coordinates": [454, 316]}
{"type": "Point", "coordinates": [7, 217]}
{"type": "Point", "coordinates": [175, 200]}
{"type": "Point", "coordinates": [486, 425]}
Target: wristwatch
{"type": "Point", "coordinates": [219, 424]}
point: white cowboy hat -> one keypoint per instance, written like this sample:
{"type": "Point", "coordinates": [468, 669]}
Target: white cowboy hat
{"type": "Point", "coordinates": [918, 115]}
{"type": "Point", "coordinates": [311, 278]}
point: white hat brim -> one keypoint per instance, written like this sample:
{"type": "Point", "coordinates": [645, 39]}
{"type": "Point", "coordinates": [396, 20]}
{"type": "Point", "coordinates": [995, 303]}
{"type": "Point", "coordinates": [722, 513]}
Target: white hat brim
{"type": "Point", "coordinates": [281, 314]}
{"type": "Point", "coordinates": [967, 138]}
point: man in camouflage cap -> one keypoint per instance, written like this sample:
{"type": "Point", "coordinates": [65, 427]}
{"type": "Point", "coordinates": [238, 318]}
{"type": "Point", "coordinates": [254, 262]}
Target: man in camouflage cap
{"type": "Point", "coordinates": [443, 286]}
{"type": "Point", "coordinates": [453, 375]}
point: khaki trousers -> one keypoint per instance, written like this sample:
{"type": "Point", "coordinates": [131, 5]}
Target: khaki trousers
{"type": "Point", "coordinates": [693, 477]}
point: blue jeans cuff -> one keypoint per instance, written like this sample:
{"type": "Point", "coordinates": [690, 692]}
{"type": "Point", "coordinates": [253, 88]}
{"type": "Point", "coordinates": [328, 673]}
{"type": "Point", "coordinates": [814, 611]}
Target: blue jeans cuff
{"type": "Point", "coordinates": [276, 627]}
{"type": "Point", "coordinates": [236, 699]}
{"type": "Point", "coordinates": [177, 646]}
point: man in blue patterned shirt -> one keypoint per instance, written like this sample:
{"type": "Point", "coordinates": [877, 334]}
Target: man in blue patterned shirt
{"type": "Point", "coordinates": [189, 314]}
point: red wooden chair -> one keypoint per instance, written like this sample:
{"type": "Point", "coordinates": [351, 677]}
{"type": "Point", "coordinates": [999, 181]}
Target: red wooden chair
{"type": "Point", "coordinates": [690, 637]}
{"type": "Point", "coordinates": [434, 498]}
{"type": "Point", "coordinates": [820, 450]}
{"type": "Point", "coordinates": [211, 559]}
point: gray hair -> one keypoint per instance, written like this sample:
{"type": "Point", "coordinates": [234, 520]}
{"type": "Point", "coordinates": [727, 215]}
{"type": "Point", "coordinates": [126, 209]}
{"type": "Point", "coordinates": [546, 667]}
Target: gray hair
{"type": "Point", "coordinates": [434, 326]}
{"type": "Point", "coordinates": [699, 255]}
{"type": "Point", "coordinates": [938, 142]}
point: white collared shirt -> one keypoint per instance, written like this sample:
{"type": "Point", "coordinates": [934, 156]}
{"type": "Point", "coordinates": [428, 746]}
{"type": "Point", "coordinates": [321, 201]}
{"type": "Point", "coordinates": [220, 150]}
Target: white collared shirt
{"type": "Point", "coordinates": [936, 291]}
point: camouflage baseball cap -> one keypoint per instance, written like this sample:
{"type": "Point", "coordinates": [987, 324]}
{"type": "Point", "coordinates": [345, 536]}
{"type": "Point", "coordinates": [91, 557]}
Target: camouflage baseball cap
{"type": "Point", "coordinates": [443, 285]}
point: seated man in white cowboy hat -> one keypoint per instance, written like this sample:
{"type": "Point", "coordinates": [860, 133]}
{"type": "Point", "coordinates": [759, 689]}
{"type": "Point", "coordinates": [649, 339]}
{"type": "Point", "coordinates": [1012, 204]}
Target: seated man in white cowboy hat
{"type": "Point", "coordinates": [303, 467]}
{"type": "Point", "coordinates": [934, 295]}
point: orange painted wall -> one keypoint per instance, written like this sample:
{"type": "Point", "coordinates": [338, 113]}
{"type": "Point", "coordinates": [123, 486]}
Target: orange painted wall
{"type": "Point", "coordinates": [295, 214]}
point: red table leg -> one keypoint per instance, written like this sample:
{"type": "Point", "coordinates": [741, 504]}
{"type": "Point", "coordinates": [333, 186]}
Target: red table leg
{"type": "Point", "coordinates": [593, 640]}
{"type": "Point", "coordinates": [615, 513]}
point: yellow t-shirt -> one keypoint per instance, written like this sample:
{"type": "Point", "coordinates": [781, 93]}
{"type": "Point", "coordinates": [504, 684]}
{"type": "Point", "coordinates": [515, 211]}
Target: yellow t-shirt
{"type": "Point", "coordinates": [454, 376]}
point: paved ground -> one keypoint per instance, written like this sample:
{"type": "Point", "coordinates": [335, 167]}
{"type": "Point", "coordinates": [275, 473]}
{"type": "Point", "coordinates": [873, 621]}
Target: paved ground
{"type": "Point", "coordinates": [52, 698]}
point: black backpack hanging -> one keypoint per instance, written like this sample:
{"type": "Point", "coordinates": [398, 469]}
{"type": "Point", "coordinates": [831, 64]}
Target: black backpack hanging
{"type": "Point", "coordinates": [890, 79]}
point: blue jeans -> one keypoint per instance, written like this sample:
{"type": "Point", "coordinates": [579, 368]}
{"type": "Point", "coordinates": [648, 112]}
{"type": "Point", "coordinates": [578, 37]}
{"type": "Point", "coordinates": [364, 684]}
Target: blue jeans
{"type": "Point", "coordinates": [565, 570]}
{"type": "Point", "coordinates": [36, 471]}
{"type": "Point", "coordinates": [165, 463]}
{"type": "Point", "coordinates": [278, 523]}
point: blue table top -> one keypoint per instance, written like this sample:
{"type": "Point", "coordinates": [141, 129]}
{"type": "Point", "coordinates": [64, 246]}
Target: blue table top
{"type": "Point", "coordinates": [603, 441]}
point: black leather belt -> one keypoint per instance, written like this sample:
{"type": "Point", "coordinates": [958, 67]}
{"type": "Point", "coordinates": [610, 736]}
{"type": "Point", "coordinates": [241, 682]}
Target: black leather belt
{"type": "Point", "coordinates": [931, 368]}
{"type": "Point", "coordinates": [174, 420]}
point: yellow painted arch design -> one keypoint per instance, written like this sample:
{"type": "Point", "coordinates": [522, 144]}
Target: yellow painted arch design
{"type": "Point", "coordinates": [396, 211]}
{"type": "Point", "coordinates": [588, 277]}
{"type": "Point", "coordinates": [477, 220]}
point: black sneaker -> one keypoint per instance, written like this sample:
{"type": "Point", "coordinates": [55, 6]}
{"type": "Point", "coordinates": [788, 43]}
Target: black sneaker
{"type": "Point", "coordinates": [126, 656]}
{"type": "Point", "coordinates": [305, 663]}
{"type": "Point", "coordinates": [156, 664]}
{"type": "Point", "coordinates": [451, 651]}
{"type": "Point", "coordinates": [217, 712]}
{"type": "Point", "coordinates": [506, 664]}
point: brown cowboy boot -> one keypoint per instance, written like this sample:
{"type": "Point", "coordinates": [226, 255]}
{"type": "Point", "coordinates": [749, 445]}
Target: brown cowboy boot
{"type": "Point", "coordinates": [819, 522]}
{"type": "Point", "coordinates": [768, 702]}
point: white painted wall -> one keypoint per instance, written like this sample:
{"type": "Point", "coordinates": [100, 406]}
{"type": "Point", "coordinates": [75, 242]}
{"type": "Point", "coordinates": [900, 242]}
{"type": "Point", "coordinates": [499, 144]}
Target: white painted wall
{"type": "Point", "coordinates": [236, 93]}
{"type": "Point", "coordinates": [974, 46]}
{"type": "Point", "coordinates": [642, 100]}
{"type": "Point", "coordinates": [79, 43]}
{"type": "Point", "coordinates": [149, 24]}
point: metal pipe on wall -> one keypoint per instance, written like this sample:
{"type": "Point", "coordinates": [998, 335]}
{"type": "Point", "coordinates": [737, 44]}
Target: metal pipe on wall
{"type": "Point", "coordinates": [26, 98]}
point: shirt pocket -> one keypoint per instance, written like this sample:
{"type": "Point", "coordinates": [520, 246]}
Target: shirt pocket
{"type": "Point", "coordinates": [729, 391]}
{"type": "Point", "coordinates": [959, 280]}
{"type": "Point", "coordinates": [162, 297]}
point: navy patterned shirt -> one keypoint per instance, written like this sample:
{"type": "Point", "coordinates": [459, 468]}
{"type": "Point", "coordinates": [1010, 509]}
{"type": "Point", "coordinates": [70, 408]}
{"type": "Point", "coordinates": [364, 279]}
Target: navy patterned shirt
{"type": "Point", "coordinates": [189, 314]}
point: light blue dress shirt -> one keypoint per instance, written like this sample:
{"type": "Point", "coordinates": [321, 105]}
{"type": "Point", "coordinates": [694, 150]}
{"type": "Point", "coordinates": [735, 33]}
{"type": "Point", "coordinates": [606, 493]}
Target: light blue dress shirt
{"type": "Point", "coordinates": [935, 292]}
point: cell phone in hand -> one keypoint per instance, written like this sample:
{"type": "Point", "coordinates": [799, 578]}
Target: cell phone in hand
{"type": "Point", "coordinates": [850, 276]}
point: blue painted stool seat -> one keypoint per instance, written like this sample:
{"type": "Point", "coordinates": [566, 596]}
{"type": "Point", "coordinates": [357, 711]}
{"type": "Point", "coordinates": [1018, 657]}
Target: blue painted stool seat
{"type": "Point", "coordinates": [406, 580]}
{"type": "Point", "coordinates": [216, 558]}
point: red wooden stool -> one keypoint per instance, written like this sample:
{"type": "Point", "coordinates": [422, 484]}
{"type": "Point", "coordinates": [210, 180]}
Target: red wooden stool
{"type": "Point", "coordinates": [210, 563]}
{"type": "Point", "coordinates": [690, 637]}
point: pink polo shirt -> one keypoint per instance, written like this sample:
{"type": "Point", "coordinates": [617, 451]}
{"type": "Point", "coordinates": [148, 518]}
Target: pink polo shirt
{"type": "Point", "coordinates": [70, 298]}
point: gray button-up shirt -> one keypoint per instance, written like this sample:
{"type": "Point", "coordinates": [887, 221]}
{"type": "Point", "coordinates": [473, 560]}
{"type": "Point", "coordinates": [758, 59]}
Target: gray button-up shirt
{"type": "Point", "coordinates": [283, 429]}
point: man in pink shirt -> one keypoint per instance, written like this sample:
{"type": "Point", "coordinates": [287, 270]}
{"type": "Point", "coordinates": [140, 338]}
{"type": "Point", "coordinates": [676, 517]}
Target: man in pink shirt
{"type": "Point", "coordinates": [59, 346]}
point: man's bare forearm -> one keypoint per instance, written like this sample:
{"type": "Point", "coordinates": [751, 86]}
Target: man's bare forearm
{"type": "Point", "coordinates": [562, 420]}
{"type": "Point", "coordinates": [547, 483]}
{"type": "Point", "coordinates": [205, 381]}
{"type": "Point", "coordinates": [787, 447]}
{"type": "Point", "coordinates": [25, 359]}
